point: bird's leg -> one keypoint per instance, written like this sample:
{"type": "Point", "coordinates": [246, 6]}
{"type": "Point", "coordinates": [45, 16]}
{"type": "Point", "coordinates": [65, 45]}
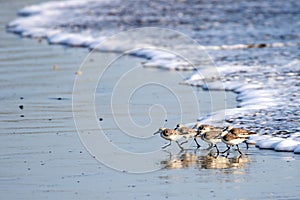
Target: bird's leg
{"type": "Point", "coordinates": [218, 152]}
{"type": "Point", "coordinates": [247, 146]}
{"type": "Point", "coordinates": [198, 145]}
{"type": "Point", "coordinates": [210, 146]}
{"type": "Point", "coordinates": [228, 147]}
{"type": "Point", "coordinates": [238, 149]}
{"type": "Point", "coordinates": [238, 158]}
{"type": "Point", "coordinates": [183, 142]}
{"type": "Point", "coordinates": [212, 154]}
{"type": "Point", "coordinates": [227, 154]}
{"type": "Point", "coordinates": [179, 145]}
{"type": "Point", "coordinates": [166, 145]}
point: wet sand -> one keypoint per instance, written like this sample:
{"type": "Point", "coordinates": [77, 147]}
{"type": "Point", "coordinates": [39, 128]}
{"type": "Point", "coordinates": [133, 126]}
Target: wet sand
{"type": "Point", "coordinates": [43, 157]}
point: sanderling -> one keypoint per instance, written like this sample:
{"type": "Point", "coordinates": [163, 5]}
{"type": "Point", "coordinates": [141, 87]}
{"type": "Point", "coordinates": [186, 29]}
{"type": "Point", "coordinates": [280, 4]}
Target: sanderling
{"type": "Point", "coordinates": [235, 136]}
{"type": "Point", "coordinates": [171, 135]}
{"type": "Point", "coordinates": [210, 134]}
{"type": "Point", "coordinates": [182, 160]}
{"type": "Point", "coordinates": [187, 133]}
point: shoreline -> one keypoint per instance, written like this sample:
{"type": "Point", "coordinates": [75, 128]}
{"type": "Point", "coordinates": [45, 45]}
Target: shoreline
{"type": "Point", "coordinates": [43, 157]}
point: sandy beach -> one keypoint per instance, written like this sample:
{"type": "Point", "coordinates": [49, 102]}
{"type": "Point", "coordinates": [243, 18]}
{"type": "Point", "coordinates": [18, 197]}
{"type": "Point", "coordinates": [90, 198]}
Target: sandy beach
{"type": "Point", "coordinates": [42, 156]}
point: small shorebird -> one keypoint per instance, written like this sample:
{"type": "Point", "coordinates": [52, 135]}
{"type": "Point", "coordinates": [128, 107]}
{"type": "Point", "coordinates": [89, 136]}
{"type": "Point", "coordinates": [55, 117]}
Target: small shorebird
{"type": "Point", "coordinates": [187, 133]}
{"type": "Point", "coordinates": [171, 135]}
{"type": "Point", "coordinates": [210, 134]}
{"type": "Point", "coordinates": [235, 136]}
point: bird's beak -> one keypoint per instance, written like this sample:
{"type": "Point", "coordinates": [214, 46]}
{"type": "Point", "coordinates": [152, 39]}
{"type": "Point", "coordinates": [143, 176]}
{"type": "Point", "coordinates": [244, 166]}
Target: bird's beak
{"type": "Point", "coordinates": [156, 132]}
{"type": "Point", "coordinates": [200, 128]}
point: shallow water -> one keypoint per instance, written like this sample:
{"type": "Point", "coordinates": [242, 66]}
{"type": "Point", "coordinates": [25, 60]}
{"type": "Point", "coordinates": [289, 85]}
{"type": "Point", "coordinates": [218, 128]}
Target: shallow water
{"type": "Point", "coordinates": [42, 156]}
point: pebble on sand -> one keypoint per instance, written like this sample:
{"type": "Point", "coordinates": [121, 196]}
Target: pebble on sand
{"type": "Point", "coordinates": [55, 67]}
{"type": "Point", "coordinates": [78, 73]}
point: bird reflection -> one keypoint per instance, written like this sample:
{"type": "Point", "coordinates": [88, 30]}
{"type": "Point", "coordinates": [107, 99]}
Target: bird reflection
{"type": "Point", "coordinates": [179, 161]}
{"type": "Point", "coordinates": [191, 159]}
{"type": "Point", "coordinates": [221, 162]}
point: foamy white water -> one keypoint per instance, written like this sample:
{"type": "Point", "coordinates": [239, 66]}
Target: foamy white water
{"type": "Point", "coordinates": [255, 47]}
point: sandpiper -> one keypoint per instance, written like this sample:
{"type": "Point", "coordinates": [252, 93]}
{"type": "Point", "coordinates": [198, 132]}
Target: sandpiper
{"type": "Point", "coordinates": [210, 134]}
{"type": "Point", "coordinates": [171, 135]}
{"type": "Point", "coordinates": [235, 136]}
{"type": "Point", "coordinates": [187, 133]}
